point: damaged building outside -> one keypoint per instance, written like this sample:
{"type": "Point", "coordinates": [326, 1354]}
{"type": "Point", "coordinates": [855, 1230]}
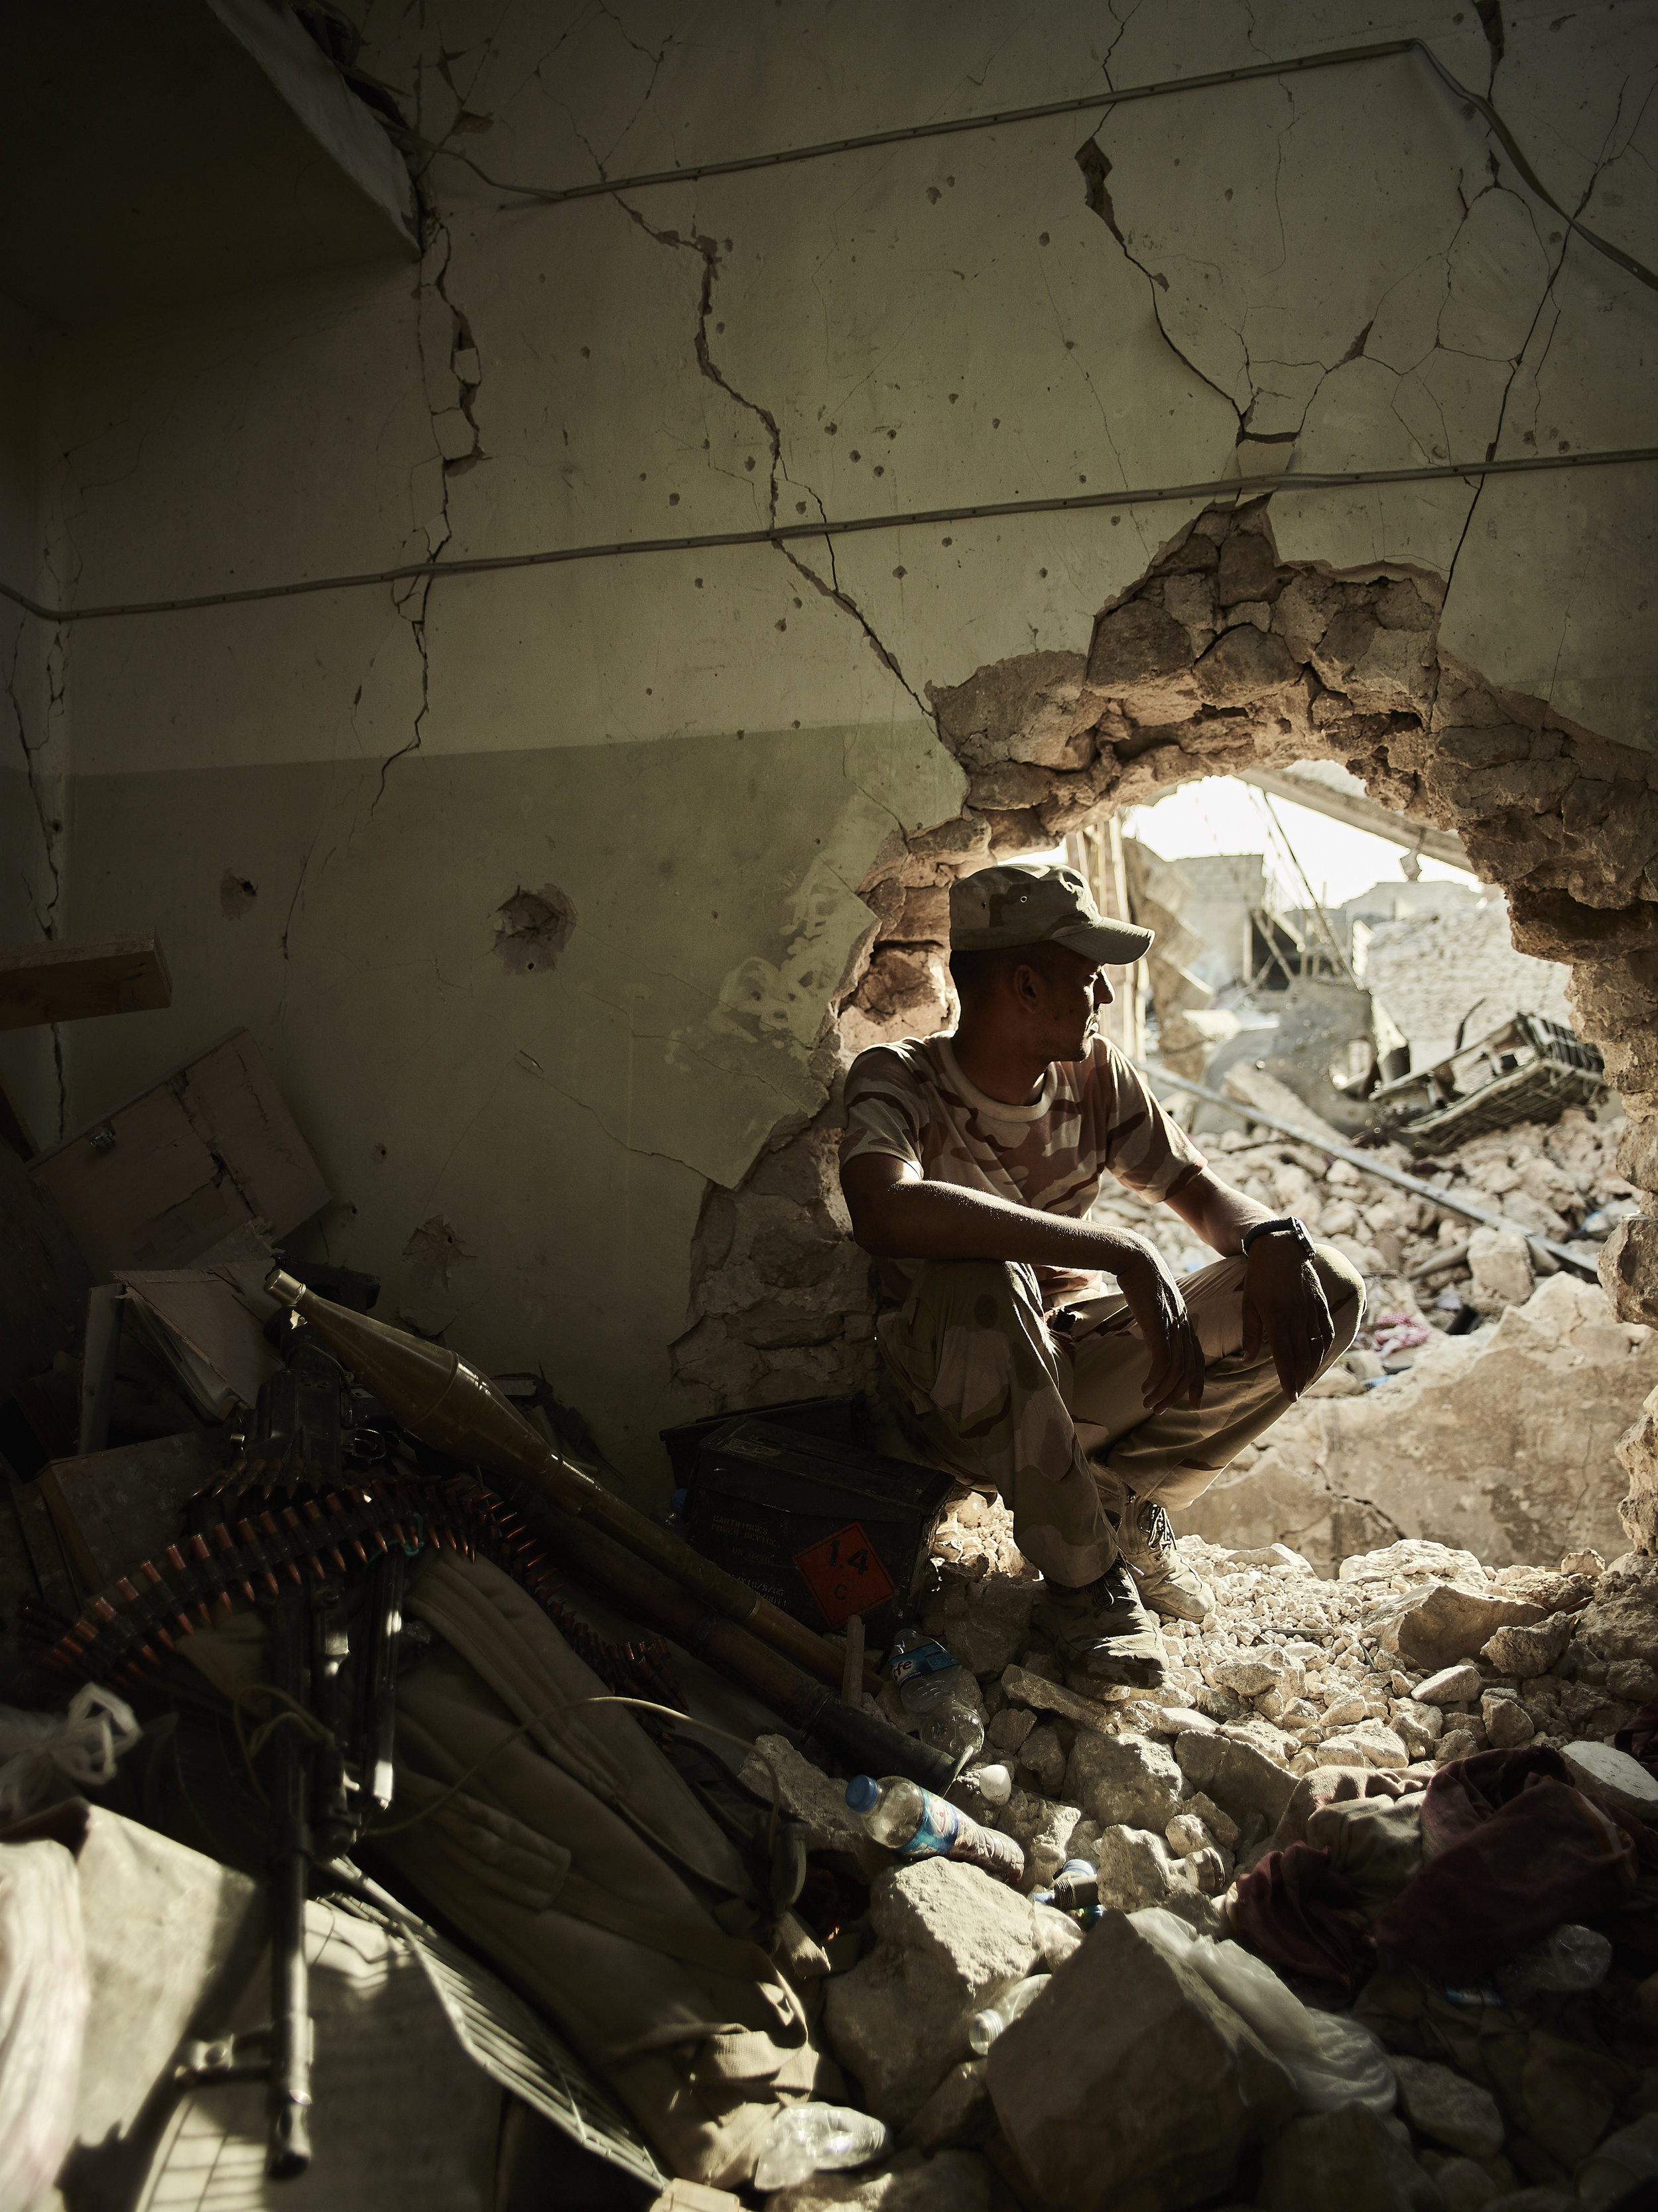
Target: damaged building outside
{"type": "Point", "coordinates": [544, 549]}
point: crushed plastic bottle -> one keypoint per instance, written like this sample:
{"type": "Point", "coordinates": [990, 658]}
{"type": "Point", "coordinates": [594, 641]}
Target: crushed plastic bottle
{"type": "Point", "coordinates": [1056, 1934]}
{"type": "Point", "coordinates": [989, 2022]}
{"type": "Point", "coordinates": [940, 1693]}
{"type": "Point", "coordinates": [807, 2139]}
{"type": "Point", "coordinates": [981, 1791]}
{"type": "Point", "coordinates": [1333, 2060]}
{"type": "Point", "coordinates": [906, 1818]}
{"type": "Point", "coordinates": [1574, 1958]}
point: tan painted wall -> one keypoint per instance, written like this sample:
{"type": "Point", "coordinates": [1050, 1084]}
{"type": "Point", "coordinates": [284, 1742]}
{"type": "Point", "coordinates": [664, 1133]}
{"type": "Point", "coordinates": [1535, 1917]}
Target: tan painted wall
{"type": "Point", "coordinates": [705, 752]}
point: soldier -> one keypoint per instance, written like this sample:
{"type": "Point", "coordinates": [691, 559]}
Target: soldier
{"type": "Point", "coordinates": [969, 1164]}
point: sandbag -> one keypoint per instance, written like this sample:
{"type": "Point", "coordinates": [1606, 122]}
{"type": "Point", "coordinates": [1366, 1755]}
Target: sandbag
{"type": "Point", "coordinates": [592, 1876]}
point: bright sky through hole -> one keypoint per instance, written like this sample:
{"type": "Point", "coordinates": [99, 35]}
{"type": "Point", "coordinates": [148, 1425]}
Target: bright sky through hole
{"type": "Point", "coordinates": [1219, 814]}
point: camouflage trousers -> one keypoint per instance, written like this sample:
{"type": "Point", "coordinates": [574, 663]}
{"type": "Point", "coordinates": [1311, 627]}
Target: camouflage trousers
{"type": "Point", "coordinates": [1048, 1410]}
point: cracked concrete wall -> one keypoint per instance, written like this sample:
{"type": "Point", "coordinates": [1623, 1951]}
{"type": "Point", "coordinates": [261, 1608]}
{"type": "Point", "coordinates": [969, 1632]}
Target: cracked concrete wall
{"type": "Point", "coordinates": [709, 754]}
{"type": "Point", "coordinates": [33, 797]}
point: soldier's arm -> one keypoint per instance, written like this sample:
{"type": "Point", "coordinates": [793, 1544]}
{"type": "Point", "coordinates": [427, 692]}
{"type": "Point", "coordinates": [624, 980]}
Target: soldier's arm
{"type": "Point", "coordinates": [896, 1215]}
{"type": "Point", "coordinates": [1284, 1302]}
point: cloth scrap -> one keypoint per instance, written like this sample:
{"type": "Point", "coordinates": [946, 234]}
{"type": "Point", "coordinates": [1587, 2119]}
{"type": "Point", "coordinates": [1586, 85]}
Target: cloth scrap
{"type": "Point", "coordinates": [1302, 1915]}
{"type": "Point", "coordinates": [1511, 1851]}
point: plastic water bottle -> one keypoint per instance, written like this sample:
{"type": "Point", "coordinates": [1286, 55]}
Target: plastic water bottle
{"type": "Point", "coordinates": [940, 1694]}
{"type": "Point", "coordinates": [1572, 1959]}
{"type": "Point", "coordinates": [1056, 1934]}
{"type": "Point", "coordinates": [985, 2025]}
{"type": "Point", "coordinates": [806, 2139]}
{"type": "Point", "coordinates": [993, 1785]}
{"type": "Point", "coordinates": [906, 1818]}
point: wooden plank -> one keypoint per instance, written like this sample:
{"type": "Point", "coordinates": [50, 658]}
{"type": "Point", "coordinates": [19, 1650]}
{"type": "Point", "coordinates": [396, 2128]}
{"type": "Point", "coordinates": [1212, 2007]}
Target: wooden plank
{"type": "Point", "coordinates": [1360, 812]}
{"type": "Point", "coordinates": [141, 1189]}
{"type": "Point", "coordinates": [163, 1178]}
{"type": "Point", "coordinates": [232, 1098]}
{"type": "Point", "coordinates": [41, 983]}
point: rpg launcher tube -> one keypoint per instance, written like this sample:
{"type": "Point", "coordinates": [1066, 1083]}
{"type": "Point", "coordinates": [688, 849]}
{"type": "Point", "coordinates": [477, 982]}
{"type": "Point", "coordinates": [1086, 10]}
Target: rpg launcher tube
{"type": "Point", "coordinates": [446, 1404]}
{"type": "Point", "coordinates": [858, 1739]}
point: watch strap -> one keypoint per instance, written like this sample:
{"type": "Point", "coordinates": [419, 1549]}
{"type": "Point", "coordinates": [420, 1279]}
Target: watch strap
{"type": "Point", "coordinates": [1298, 1230]}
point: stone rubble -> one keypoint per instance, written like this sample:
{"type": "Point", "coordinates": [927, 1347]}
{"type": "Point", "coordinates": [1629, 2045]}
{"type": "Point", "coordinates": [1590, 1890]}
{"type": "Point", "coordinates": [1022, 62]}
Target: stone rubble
{"type": "Point", "coordinates": [1126, 2086]}
{"type": "Point", "coordinates": [1503, 1443]}
{"type": "Point", "coordinates": [1129, 2081]}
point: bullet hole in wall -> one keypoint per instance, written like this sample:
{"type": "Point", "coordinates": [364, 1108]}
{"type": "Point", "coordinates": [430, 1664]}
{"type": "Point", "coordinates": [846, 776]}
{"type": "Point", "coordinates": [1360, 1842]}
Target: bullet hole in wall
{"type": "Point", "coordinates": [236, 895]}
{"type": "Point", "coordinates": [533, 928]}
{"type": "Point", "coordinates": [434, 1250]}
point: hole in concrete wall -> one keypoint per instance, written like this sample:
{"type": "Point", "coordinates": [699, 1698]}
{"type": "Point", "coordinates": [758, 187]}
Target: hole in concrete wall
{"type": "Point", "coordinates": [1221, 658]}
{"type": "Point", "coordinates": [534, 928]}
{"type": "Point", "coordinates": [236, 895]}
{"type": "Point", "coordinates": [434, 1251]}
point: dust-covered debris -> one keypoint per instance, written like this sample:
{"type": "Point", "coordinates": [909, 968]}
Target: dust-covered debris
{"type": "Point", "coordinates": [1306, 1709]}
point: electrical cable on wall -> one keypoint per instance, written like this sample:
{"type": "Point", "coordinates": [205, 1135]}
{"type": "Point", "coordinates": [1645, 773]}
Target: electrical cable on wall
{"type": "Point", "coordinates": [559, 195]}
{"type": "Point", "coordinates": [779, 534]}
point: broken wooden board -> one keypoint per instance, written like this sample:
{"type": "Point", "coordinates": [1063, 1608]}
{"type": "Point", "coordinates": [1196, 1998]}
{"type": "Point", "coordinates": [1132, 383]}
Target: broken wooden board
{"type": "Point", "coordinates": [41, 983]}
{"type": "Point", "coordinates": [212, 1340]}
{"type": "Point", "coordinates": [164, 1178]}
{"type": "Point", "coordinates": [124, 1505]}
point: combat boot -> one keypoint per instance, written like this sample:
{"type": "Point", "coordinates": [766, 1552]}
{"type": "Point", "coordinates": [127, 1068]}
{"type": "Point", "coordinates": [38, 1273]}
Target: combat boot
{"type": "Point", "coordinates": [1101, 1632]}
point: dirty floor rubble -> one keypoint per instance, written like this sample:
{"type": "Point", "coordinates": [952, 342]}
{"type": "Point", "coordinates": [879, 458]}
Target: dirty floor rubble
{"type": "Point", "coordinates": [1300, 1693]}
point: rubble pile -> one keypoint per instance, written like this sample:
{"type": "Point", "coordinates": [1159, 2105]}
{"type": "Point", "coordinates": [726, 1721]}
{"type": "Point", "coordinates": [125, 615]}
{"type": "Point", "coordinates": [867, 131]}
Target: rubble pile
{"type": "Point", "coordinates": [1145, 2076]}
{"type": "Point", "coordinates": [1561, 1182]}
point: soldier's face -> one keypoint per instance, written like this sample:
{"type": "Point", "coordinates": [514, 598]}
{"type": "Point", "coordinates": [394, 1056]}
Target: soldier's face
{"type": "Point", "coordinates": [1075, 993]}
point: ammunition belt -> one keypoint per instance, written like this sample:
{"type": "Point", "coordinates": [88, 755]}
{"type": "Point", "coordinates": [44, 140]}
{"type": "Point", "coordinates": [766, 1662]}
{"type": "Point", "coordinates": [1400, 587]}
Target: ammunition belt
{"type": "Point", "coordinates": [329, 1527]}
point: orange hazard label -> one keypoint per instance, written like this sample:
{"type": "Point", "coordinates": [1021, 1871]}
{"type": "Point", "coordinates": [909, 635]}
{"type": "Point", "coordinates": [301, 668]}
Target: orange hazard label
{"type": "Point", "coordinates": [844, 1572]}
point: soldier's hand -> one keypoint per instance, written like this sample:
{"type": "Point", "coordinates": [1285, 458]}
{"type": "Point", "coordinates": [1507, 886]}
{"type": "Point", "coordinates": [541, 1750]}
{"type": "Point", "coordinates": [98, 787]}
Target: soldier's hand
{"type": "Point", "coordinates": [1176, 1374]}
{"type": "Point", "coordinates": [1283, 1304]}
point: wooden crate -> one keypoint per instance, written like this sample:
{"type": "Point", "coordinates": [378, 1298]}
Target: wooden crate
{"type": "Point", "coordinates": [161, 1179]}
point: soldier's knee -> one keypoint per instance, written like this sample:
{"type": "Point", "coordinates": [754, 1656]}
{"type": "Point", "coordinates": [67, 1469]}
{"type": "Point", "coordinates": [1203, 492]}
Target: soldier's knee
{"type": "Point", "coordinates": [1344, 1292]}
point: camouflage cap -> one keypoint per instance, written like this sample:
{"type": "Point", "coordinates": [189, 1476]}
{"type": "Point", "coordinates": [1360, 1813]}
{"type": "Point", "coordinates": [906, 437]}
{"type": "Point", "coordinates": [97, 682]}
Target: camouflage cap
{"type": "Point", "coordinates": [1000, 909]}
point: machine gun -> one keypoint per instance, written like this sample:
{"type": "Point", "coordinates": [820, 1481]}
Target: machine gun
{"type": "Point", "coordinates": [324, 1723]}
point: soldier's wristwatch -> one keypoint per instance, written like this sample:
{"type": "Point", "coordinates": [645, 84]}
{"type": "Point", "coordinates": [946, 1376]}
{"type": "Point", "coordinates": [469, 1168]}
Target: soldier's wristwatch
{"type": "Point", "coordinates": [1295, 1229]}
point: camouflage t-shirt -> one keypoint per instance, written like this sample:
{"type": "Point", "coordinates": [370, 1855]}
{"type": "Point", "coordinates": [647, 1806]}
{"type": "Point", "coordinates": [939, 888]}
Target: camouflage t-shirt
{"type": "Point", "coordinates": [1092, 1117]}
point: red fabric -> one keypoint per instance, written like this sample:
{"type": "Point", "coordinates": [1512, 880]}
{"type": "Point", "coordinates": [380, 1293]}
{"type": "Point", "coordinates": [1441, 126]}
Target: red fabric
{"type": "Point", "coordinates": [1639, 1738]}
{"type": "Point", "coordinates": [1304, 1917]}
{"type": "Point", "coordinates": [1514, 1852]}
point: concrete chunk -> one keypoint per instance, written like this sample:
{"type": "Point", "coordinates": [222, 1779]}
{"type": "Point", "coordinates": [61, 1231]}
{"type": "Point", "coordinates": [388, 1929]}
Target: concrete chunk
{"type": "Point", "coordinates": [1250, 1673]}
{"type": "Point", "coordinates": [1235, 1775]}
{"type": "Point", "coordinates": [1131, 2085]}
{"type": "Point", "coordinates": [1138, 1869]}
{"type": "Point", "coordinates": [1349, 2159]}
{"type": "Point", "coordinates": [1021, 1688]}
{"type": "Point", "coordinates": [1126, 1779]}
{"type": "Point", "coordinates": [1453, 1620]}
{"type": "Point", "coordinates": [948, 1934]}
{"type": "Point", "coordinates": [1450, 1686]}
{"type": "Point", "coordinates": [1613, 1775]}
{"type": "Point", "coordinates": [1044, 1828]}
{"type": "Point", "coordinates": [958, 2112]}
{"type": "Point", "coordinates": [1447, 2108]}
{"type": "Point", "coordinates": [1506, 1721]}
{"type": "Point", "coordinates": [806, 1794]}
{"type": "Point", "coordinates": [1529, 1651]}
